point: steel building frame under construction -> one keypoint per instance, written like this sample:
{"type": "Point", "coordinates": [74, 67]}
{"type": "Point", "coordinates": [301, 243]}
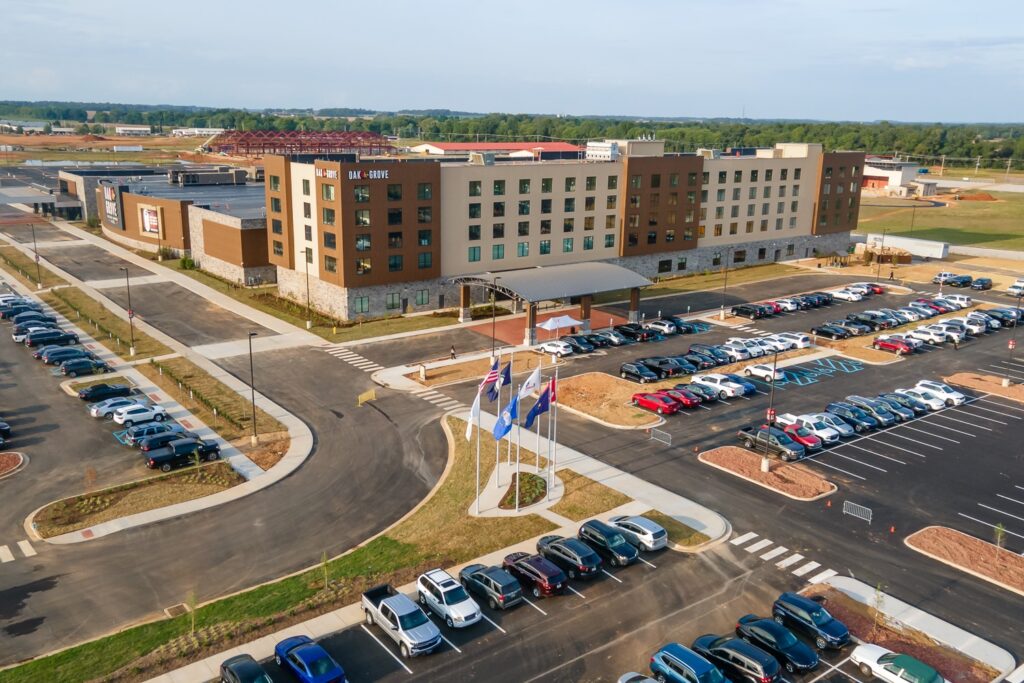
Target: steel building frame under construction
{"type": "Point", "coordinates": [260, 142]}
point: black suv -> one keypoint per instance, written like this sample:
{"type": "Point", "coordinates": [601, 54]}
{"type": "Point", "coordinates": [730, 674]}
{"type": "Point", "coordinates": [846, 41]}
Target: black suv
{"type": "Point", "coordinates": [634, 332]}
{"type": "Point", "coordinates": [720, 356]}
{"type": "Point", "coordinates": [50, 337]}
{"type": "Point", "coordinates": [661, 366]}
{"type": "Point", "coordinates": [157, 441]}
{"type": "Point", "coordinates": [100, 392]}
{"type": "Point", "coordinates": [494, 584]}
{"type": "Point", "coordinates": [778, 641]}
{"type": "Point", "coordinates": [83, 366]}
{"type": "Point", "coordinates": [810, 618]}
{"type": "Point", "coordinates": [608, 542]}
{"type": "Point", "coordinates": [578, 342]}
{"type": "Point", "coordinates": [738, 660]}
{"type": "Point", "coordinates": [33, 316]}
{"type": "Point", "coordinates": [181, 452]}
{"type": "Point", "coordinates": [638, 372]}
{"type": "Point", "coordinates": [55, 355]}
{"type": "Point", "coordinates": [860, 420]}
{"type": "Point", "coordinates": [571, 555]}
{"type": "Point", "coordinates": [747, 311]}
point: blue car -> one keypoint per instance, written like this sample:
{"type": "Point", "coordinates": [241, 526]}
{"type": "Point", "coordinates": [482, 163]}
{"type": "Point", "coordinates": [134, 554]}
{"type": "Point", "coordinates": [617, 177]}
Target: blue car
{"type": "Point", "coordinates": [748, 386]}
{"type": "Point", "coordinates": [807, 616]}
{"type": "Point", "coordinates": [309, 662]}
{"type": "Point", "coordinates": [674, 663]}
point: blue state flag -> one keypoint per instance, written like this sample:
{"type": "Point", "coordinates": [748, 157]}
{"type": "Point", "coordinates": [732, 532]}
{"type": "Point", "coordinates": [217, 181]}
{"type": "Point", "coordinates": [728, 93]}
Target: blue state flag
{"type": "Point", "coordinates": [542, 405]}
{"type": "Point", "coordinates": [504, 378]}
{"type": "Point", "coordinates": [504, 424]}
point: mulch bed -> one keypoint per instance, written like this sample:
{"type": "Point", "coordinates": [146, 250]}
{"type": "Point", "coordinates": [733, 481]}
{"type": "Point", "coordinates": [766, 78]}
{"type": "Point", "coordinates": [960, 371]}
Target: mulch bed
{"type": "Point", "coordinates": [9, 462]}
{"type": "Point", "coordinates": [532, 488]}
{"type": "Point", "coordinates": [989, 384]}
{"type": "Point", "coordinates": [792, 479]}
{"type": "Point", "coordinates": [974, 554]}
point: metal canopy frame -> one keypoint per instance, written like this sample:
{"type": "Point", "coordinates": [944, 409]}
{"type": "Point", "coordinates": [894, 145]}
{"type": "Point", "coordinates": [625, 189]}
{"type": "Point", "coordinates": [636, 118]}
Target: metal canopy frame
{"type": "Point", "coordinates": [568, 280]}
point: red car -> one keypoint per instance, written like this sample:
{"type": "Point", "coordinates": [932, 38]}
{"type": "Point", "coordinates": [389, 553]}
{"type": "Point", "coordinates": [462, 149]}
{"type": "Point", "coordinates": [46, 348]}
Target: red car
{"type": "Point", "coordinates": [658, 403]}
{"type": "Point", "coordinates": [894, 345]}
{"type": "Point", "coordinates": [875, 287]}
{"type": "Point", "coordinates": [686, 400]}
{"type": "Point", "coordinates": [800, 434]}
{"type": "Point", "coordinates": [932, 305]}
{"type": "Point", "coordinates": [535, 574]}
{"type": "Point", "coordinates": [776, 307]}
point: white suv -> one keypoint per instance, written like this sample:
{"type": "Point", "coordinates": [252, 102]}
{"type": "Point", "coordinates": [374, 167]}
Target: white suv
{"type": "Point", "coordinates": [137, 414]}
{"type": "Point", "coordinates": [447, 599]}
{"type": "Point", "coordinates": [558, 348]}
{"type": "Point", "coordinates": [754, 349]}
{"type": "Point", "coordinates": [951, 396]}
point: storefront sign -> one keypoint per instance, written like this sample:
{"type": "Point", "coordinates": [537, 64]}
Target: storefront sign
{"type": "Point", "coordinates": [326, 172]}
{"type": "Point", "coordinates": [150, 222]}
{"type": "Point", "coordinates": [372, 174]}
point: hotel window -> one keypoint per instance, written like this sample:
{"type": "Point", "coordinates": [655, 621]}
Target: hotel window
{"type": "Point", "coordinates": [361, 304]}
{"type": "Point", "coordinates": [524, 186]}
{"type": "Point", "coordinates": [545, 227]}
{"type": "Point", "coordinates": [793, 206]}
{"type": "Point", "coordinates": [764, 208]}
{"type": "Point", "coordinates": [737, 177]}
{"type": "Point", "coordinates": [792, 221]}
{"type": "Point", "coordinates": [394, 240]}
{"type": "Point", "coordinates": [475, 188]}
{"type": "Point", "coordinates": [613, 182]}
{"type": "Point", "coordinates": [424, 191]}
{"type": "Point", "coordinates": [723, 177]}
{"type": "Point", "coordinates": [498, 209]}
{"type": "Point", "coordinates": [474, 210]}
{"type": "Point", "coordinates": [278, 248]}
{"type": "Point", "coordinates": [733, 228]}
{"type": "Point", "coordinates": [750, 226]}
{"type": "Point", "coordinates": [839, 188]}
{"type": "Point", "coordinates": [570, 184]}
{"type": "Point", "coordinates": [473, 254]}
{"type": "Point", "coordinates": [796, 190]}
{"type": "Point", "coordinates": [305, 187]}
{"type": "Point", "coordinates": [545, 247]}
{"type": "Point", "coordinates": [768, 175]}
{"type": "Point", "coordinates": [545, 206]}
{"type": "Point", "coordinates": [735, 194]}
{"type": "Point", "coordinates": [524, 207]}
{"type": "Point", "coordinates": [778, 224]}
{"type": "Point", "coordinates": [307, 210]}
{"type": "Point", "coordinates": [363, 242]}
{"type": "Point", "coordinates": [568, 224]}
{"type": "Point", "coordinates": [589, 204]}
{"type": "Point", "coordinates": [635, 182]}
{"type": "Point", "coordinates": [588, 243]}
{"type": "Point", "coordinates": [497, 252]}
{"type": "Point", "coordinates": [823, 220]}
{"type": "Point", "coordinates": [394, 216]}
{"type": "Point", "coordinates": [673, 179]}
{"type": "Point", "coordinates": [761, 253]}
{"type": "Point", "coordinates": [498, 231]}
{"type": "Point", "coordinates": [796, 174]}
{"type": "Point", "coordinates": [739, 256]}
{"type": "Point", "coordinates": [275, 182]}
{"type": "Point", "coordinates": [790, 249]}
{"type": "Point", "coordinates": [330, 240]}
{"type": "Point", "coordinates": [681, 264]}
{"type": "Point", "coordinates": [308, 229]}
{"type": "Point", "coordinates": [546, 184]}
{"type": "Point", "coordinates": [753, 176]}
{"type": "Point", "coordinates": [424, 214]}
{"type": "Point", "coordinates": [734, 211]}
{"type": "Point", "coordinates": [523, 228]}
{"type": "Point", "coordinates": [566, 245]}
{"type": "Point", "coordinates": [569, 204]}
{"type": "Point", "coordinates": [588, 223]}
{"type": "Point", "coordinates": [363, 266]}
{"type": "Point", "coordinates": [499, 188]}
{"type": "Point", "coordinates": [784, 174]}
{"type": "Point", "coordinates": [782, 190]}
{"type": "Point", "coordinates": [392, 301]}
{"type": "Point", "coordinates": [767, 192]}
{"type": "Point", "coordinates": [652, 237]}
{"type": "Point", "coordinates": [719, 212]}
{"type": "Point", "coordinates": [327, 192]}
{"type": "Point", "coordinates": [750, 209]}
{"type": "Point", "coordinates": [632, 239]}
{"type": "Point", "coordinates": [718, 229]}
{"type": "Point", "coordinates": [609, 222]}
{"type": "Point", "coordinates": [704, 196]}
{"type": "Point", "coordinates": [665, 265]}
{"type": "Point", "coordinates": [700, 231]}
{"type": "Point", "coordinates": [764, 225]}
{"type": "Point", "coordinates": [422, 297]}
{"type": "Point", "coordinates": [362, 217]}
{"type": "Point", "coordinates": [634, 201]}
{"type": "Point", "coordinates": [634, 221]}
{"type": "Point", "coordinates": [853, 186]}
{"type": "Point", "coordinates": [327, 216]}
{"type": "Point", "coordinates": [691, 179]}
{"type": "Point", "coordinates": [330, 264]}
{"type": "Point", "coordinates": [361, 193]}
{"type": "Point", "coordinates": [522, 249]}
{"type": "Point", "coordinates": [609, 241]}
{"type": "Point", "coordinates": [828, 171]}
{"type": "Point", "coordinates": [689, 216]}
{"type": "Point", "coordinates": [394, 192]}
{"type": "Point", "coordinates": [827, 188]}
{"type": "Point", "coordinates": [655, 180]}
{"type": "Point", "coordinates": [425, 238]}
{"type": "Point", "coordinates": [673, 198]}
{"type": "Point", "coordinates": [851, 202]}
{"type": "Point", "coordinates": [591, 183]}
{"type": "Point", "coordinates": [655, 200]}
{"type": "Point", "coordinates": [720, 195]}
{"type": "Point", "coordinates": [716, 260]}
{"type": "Point", "coordinates": [474, 232]}
{"type": "Point", "coordinates": [703, 213]}
{"type": "Point", "coordinates": [652, 219]}
{"type": "Point", "coordinates": [275, 226]}
{"type": "Point", "coordinates": [275, 204]}
{"type": "Point", "coordinates": [670, 236]}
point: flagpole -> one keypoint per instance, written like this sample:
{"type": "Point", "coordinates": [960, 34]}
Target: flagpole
{"type": "Point", "coordinates": [536, 452]}
{"type": "Point", "coordinates": [511, 369]}
{"type": "Point", "coordinates": [519, 443]}
{"type": "Point", "coordinates": [554, 446]}
{"type": "Point", "coordinates": [550, 473]}
{"type": "Point", "coordinates": [478, 454]}
{"type": "Point", "coordinates": [497, 443]}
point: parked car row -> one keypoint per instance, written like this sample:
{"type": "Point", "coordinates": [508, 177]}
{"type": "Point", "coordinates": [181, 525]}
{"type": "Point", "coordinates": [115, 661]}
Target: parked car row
{"type": "Point", "coordinates": [766, 309]}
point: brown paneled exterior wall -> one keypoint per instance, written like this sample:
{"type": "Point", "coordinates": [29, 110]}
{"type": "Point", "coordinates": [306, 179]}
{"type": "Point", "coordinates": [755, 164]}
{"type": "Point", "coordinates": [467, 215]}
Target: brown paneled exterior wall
{"type": "Point", "coordinates": [237, 247]}
{"type": "Point", "coordinates": [173, 215]}
{"type": "Point", "coordinates": [660, 200]}
{"type": "Point", "coordinates": [839, 185]}
{"type": "Point", "coordinates": [277, 171]}
{"type": "Point", "coordinates": [386, 224]}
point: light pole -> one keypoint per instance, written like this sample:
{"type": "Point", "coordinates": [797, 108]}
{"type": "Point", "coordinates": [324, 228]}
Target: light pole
{"type": "Point", "coordinates": [131, 313]}
{"type": "Point", "coordinates": [35, 250]}
{"type": "Point", "coordinates": [494, 302]}
{"type": "Point", "coordinates": [252, 386]}
{"type": "Point", "coordinates": [878, 257]}
{"type": "Point", "coordinates": [309, 314]}
{"type": "Point", "coordinates": [771, 413]}
{"type": "Point", "coordinates": [913, 215]}
{"type": "Point", "coordinates": [1012, 344]}
{"type": "Point", "coordinates": [725, 279]}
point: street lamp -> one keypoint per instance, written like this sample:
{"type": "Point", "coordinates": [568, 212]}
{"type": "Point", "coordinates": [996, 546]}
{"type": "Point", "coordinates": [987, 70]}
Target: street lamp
{"type": "Point", "coordinates": [252, 386]}
{"type": "Point", "coordinates": [725, 280]}
{"type": "Point", "coordinates": [1012, 344]}
{"type": "Point", "coordinates": [771, 413]}
{"type": "Point", "coordinates": [35, 250]}
{"type": "Point", "coordinates": [494, 303]}
{"type": "Point", "coordinates": [309, 315]}
{"type": "Point", "coordinates": [878, 257]}
{"type": "Point", "coordinates": [131, 313]}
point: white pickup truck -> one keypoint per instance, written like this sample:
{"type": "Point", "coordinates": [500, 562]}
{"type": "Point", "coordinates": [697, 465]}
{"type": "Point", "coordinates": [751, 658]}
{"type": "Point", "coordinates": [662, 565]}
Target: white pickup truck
{"type": "Point", "coordinates": [401, 620]}
{"type": "Point", "coordinates": [810, 423]}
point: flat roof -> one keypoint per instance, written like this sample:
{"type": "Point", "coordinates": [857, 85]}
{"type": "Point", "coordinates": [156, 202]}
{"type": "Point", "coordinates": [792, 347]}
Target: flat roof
{"type": "Point", "coordinates": [241, 201]}
{"type": "Point", "coordinates": [503, 146]}
{"type": "Point", "coordinates": [545, 283]}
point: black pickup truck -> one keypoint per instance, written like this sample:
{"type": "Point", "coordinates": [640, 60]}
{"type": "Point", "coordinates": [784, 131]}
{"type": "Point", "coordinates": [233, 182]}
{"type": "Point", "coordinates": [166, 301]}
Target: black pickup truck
{"type": "Point", "coordinates": [779, 443]}
{"type": "Point", "coordinates": [181, 452]}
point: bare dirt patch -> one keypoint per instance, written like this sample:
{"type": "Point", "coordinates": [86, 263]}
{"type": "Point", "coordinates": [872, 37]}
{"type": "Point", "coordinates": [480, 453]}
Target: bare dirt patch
{"type": "Point", "coordinates": [477, 369]}
{"type": "Point", "coordinates": [978, 197]}
{"type": "Point", "coordinates": [10, 462]}
{"type": "Point", "coordinates": [270, 450]}
{"type": "Point", "coordinates": [607, 398]}
{"type": "Point", "coordinates": [585, 497]}
{"type": "Point", "coordinates": [678, 533]}
{"type": "Point", "coordinates": [865, 623]}
{"type": "Point", "coordinates": [971, 554]}
{"type": "Point", "coordinates": [987, 383]}
{"type": "Point", "coordinates": [794, 480]}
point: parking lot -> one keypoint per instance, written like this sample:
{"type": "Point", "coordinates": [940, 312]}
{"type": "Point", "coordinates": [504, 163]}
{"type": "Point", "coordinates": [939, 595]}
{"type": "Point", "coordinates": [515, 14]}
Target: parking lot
{"type": "Point", "coordinates": [88, 262]}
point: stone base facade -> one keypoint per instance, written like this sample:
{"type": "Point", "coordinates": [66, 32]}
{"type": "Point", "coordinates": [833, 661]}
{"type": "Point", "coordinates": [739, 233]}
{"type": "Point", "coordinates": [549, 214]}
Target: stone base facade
{"type": "Point", "coordinates": [139, 245]}
{"type": "Point", "coordinates": [257, 275]}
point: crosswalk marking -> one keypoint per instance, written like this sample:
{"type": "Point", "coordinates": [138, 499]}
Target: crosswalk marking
{"type": "Point", "coordinates": [5, 554]}
{"type": "Point", "coordinates": [26, 548]}
{"type": "Point", "coordinates": [791, 560]}
{"type": "Point", "coordinates": [806, 568]}
{"type": "Point", "coordinates": [823, 576]}
{"type": "Point", "coordinates": [760, 545]}
{"type": "Point", "coordinates": [740, 540]}
{"type": "Point", "coordinates": [772, 554]}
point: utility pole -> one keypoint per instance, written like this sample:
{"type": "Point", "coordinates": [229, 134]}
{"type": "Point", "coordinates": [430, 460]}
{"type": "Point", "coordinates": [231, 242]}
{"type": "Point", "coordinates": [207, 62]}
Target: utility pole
{"type": "Point", "coordinates": [1009, 162]}
{"type": "Point", "coordinates": [942, 166]}
{"type": "Point", "coordinates": [131, 313]}
{"type": "Point", "coordinates": [977, 165]}
{"type": "Point", "coordinates": [765, 465]}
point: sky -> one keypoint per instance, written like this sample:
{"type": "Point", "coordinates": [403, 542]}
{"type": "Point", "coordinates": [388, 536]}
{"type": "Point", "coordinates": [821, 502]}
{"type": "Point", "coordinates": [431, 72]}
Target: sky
{"type": "Point", "coordinates": [853, 60]}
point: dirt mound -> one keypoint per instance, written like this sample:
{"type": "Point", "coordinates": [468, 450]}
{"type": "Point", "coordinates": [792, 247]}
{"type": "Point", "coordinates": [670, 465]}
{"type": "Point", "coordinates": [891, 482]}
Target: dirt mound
{"type": "Point", "coordinates": [89, 137]}
{"type": "Point", "coordinates": [978, 197]}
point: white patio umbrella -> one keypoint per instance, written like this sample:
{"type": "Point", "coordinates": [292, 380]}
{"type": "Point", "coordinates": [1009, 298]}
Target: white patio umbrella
{"type": "Point", "coordinates": [556, 323]}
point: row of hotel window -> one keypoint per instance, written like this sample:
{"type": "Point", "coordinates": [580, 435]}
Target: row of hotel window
{"type": "Point", "coordinates": [523, 248]}
{"type": "Point", "coordinates": [360, 193]}
{"type": "Point", "coordinates": [392, 301]}
{"type": "Point", "coordinates": [396, 262]}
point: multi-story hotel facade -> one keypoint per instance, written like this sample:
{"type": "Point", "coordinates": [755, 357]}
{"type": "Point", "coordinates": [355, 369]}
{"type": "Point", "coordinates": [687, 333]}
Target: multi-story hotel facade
{"type": "Point", "coordinates": [377, 236]}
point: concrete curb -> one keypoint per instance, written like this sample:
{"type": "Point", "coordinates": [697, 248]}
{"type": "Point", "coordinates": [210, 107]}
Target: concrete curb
{"type": "Point", "coordinates": [907, 542]}
{"type": "Point", "coordinates": [988, 390]}
{"type": "Point", "coordinates": [771, 488]}
{"type": "Point", "coordinates": [579, 413]}
{"type": "Point", "coordinates": [21, 465]}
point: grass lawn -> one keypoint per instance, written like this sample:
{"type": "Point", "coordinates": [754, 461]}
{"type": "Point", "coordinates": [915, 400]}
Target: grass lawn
{"type": "Point", "coordinates": [707, 280]}
{"type": "Point", "coordinates": [101, 324]}
{"type": "Point", "coordinates": [585, 497]}
{"type": "Point", "coordinates": [439, 533]}
{"type": "Point", "coordinates": [23, 268]}
{"type": "Point", "coordinates": [678, 533]}
{"type": "Point", "coordinates": [234, 412]}
{"type": "Point", "coordinates": [996, 225]}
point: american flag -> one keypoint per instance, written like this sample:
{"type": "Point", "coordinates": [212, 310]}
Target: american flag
{"type": "Point", "coordinates": [551, 388]}
{"type": "Point", "coordinates": [492, 376]}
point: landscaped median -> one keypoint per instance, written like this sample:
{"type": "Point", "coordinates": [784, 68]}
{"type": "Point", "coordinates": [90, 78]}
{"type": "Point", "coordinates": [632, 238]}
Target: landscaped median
{"type": "Point", "coordinates": [23, 268]}
{"type": "Point", "coordinates": [10, 462]}
{"type": "Point", "coordinates": [100, 323]}
{"type": "Point", "coordinates": [985, 560]}
{"type": "Point", "coordinates": [679, 534]}
{"type": "Point", "coordinates": [989, 384]}
{"type": "Point", "coordinates": [584, 498]}
{"type": "Point", "coordinates": [790, 479]}
{"type": "Point", "coordinates": [477, 368]}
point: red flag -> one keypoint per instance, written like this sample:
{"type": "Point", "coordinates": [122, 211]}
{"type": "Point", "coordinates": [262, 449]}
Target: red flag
{"type": "Point", "coordinates": [551, 388]}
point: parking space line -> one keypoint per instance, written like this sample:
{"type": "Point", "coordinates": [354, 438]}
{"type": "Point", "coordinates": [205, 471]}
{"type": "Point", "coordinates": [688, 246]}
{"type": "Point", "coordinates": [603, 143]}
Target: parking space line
{"type": "Point", "coordinates": [26, 548]}
{"type": "Point", "coordinates": [866, 450]}
{"type": "Point", "coordinates": [987, 507]}
{"type": "Point", "coordinates": [837, 469]}
{"type": "Point", "coordinates": [740, 540]}
{"type": "Point", "coordinates": [385, 648]}
{"type": "Point", "coordinates": [609, 574]}
{"type": "Point", "coordinates": [652, 566]}
{"type": "Point", "coordinates": [1007, 371]}
{"type": "Point", "coordinates": [923, 431]}
{"type": "Point", "coordinates": [834, 668]}
{"type": "Point", "coordinates": [451, 643]}
{"type": "Point", "coordinates": [947, 417]}
{"type": "Point", "coordinates": [917, 441]}
{"type": "Point", "coordinates": [989, 410]}
{"type": "Point", "coordinates": [1002, 405]}
{"type": "Point", "coordinates": [772, 554]}
{"type": "Point", "coordinates": [947, 427]}
{"type": "Point", "coordinates": [861, 462]}
{"type": "Point", "coordinates": [804, 569]}
{"type": "Point", "coordinates": [534, 606]}
{"type": "Point", "coordinates": [818, 578]}
{"type": "Point", "coordinates": [577, 592]}
{"type": "Point", "coordinates": [493, 624]}
{"type": "Point", "coordinates": [792, 559]}
{"type": "Point", "coordinates": [989, 524]}
{"type": "Point", "coordinates": [760, 545]}
{"type": "Point", "coordinates": [5, 554]}
{"type": "Point", "coordinates": [1014, 500]}
{"type": "Point", "coordinates": [982, 417]}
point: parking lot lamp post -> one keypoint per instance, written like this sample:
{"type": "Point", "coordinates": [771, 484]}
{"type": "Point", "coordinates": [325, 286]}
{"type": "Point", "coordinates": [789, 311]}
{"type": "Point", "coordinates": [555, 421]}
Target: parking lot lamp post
{"type": "Point", "coordinates": [35, 251]}
{"type": "Point", "coordinates": [725, 279]}
{"type": "Point", "coordinates": [771, 412]}
{"type": "Point", "coordinates": [1013, 340]}
{"type": "Point", "coordinates": [878, 256]}
{"type": "Point", "coordinates": [131, 314]}
{"type": "Point", "coordinates": [309, 314]}
{"type": "Point", "coordinates": [494, 303]}
{"type": "Point", "coordinates": [252, 387]}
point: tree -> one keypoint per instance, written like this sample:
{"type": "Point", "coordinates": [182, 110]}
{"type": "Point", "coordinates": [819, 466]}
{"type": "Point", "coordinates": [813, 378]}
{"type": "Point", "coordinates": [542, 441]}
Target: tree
{"type": "Point", "coordinates": [47, 129]}
{"type": "Point", "coordinates": [1000, 535]}
{"type": "Point", "coordinates": [879, 619]}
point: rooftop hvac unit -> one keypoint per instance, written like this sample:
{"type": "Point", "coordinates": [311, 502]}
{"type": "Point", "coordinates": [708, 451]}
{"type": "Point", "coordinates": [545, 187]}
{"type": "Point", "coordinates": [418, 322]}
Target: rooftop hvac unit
{"type": "Point", "coordinates": [481, 158]}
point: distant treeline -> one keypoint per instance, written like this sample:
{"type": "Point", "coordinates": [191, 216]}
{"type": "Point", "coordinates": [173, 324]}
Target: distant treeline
{"type": "Point", "coordinates": [994, 143]}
